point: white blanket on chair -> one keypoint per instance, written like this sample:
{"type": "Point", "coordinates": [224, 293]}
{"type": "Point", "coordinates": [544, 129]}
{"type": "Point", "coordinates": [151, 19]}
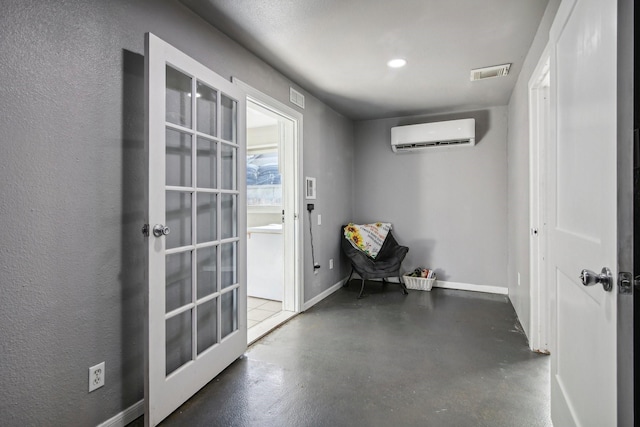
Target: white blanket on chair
{"type": "Point", "coordinates": [367, 237]}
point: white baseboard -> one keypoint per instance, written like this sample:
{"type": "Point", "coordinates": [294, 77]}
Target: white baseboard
{"type": "Point", "coordinates": [462, 286]}
{"type": "Point", "coordinates": [125, 417]}
{"type": "Point", "coordinates": [471, 287]}
{"type": "Point", "coordinates": [313, 301]}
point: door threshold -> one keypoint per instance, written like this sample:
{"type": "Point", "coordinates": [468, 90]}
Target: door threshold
{"type": "Point", "coordinates": [263, 328]}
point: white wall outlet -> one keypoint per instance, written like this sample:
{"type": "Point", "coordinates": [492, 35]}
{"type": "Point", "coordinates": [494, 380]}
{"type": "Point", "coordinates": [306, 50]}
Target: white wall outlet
{"type": "Point", "coordinates": [518, 279]}
{"type": "Point", "coordinates": [96, 376]}
{"type": "Point", "coordinates": [331, 264]}
{"type": "Point", "coordinates": [319, 219]}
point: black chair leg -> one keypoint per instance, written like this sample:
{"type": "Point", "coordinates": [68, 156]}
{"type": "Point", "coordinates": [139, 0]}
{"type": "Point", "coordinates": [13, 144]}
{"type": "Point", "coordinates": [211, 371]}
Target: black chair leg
{"type": "Point", "coordinates": [403, 286]}
{"type": "Point", "coordinates": [349, 279]}
{"type": "Point", "coordinates": [361, 290]}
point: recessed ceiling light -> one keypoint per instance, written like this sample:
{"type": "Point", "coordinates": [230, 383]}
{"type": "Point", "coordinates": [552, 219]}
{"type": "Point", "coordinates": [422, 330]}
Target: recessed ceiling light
{"type": "Point", "coordinates": [397, 63]}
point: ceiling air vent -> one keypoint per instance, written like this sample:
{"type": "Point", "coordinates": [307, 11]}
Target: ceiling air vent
{"type": "Point", "coordinates": [489, 72]}
{"type": "Point", "coordinates": [296, 97]}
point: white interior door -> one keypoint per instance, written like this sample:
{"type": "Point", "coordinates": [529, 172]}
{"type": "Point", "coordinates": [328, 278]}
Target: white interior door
{"type": "Point", "coordinates": [582, 212]}
{"type": "Point", "coordinates": [197, 240]}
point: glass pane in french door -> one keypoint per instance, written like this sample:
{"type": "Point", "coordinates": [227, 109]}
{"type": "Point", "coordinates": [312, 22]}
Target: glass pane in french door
{"type": "Point", "coordinates": [207, 107]}
{"type": "Point", "coordinates": [178, 98]}
{"type": "Point", "coordinates": [229, 215]}
{"type": "Point", "coordinates": [207, 324]}
{"type": "Point", "coordinates": [207, 163]}
{"type": "Point", "coordinates": [229, 260]}
{"type": "Point", "coordinates": [178, 218]}
{"type": "Point", "coordinates": [178, 341]}
{"type": "Point", "coordinates": [178, 163]}
{"type": "Point", "coordinates": [228, 154]}
{"type": "Point", "coordinates": [207, 217]}
{"type": "Point", "coordinates": [178, 280]}
{"type": "Point", "coordinates": [229, 119]}
{"type": "Point", "coordinates": [207, 271]}
{"type": "Point", "coordinates": [229, 312]}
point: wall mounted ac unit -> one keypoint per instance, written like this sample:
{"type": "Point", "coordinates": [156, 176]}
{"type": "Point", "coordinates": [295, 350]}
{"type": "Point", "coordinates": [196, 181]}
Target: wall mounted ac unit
{"type": "Point", "coordinates": [461, 133]}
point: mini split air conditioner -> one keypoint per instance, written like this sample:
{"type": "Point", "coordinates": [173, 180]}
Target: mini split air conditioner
{"type": "Point", "coordinates": [461, 133]}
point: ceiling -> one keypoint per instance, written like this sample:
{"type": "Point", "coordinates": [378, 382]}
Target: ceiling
{"type": "Point", "coordinates": [338, 49]}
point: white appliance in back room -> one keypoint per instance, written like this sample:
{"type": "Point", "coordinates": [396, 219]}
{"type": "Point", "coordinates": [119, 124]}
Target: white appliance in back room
{"type": "Point", "coordinates": [265, 278]}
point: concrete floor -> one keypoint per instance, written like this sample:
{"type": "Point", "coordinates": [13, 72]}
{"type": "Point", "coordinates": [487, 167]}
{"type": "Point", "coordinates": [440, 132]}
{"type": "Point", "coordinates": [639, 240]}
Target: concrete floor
{"type": "Point", "coordinates": [439, 358]}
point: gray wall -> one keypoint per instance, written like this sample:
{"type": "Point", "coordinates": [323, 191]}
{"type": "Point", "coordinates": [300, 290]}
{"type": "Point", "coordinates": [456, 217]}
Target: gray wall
{"type": "Point", "coordinates": [449, 207]}
{"type": "Point", "coordinates": [72, 169]}
{"type": "Point", "coordinates": [329, 160]}
{"type": "Point", "coordinates": [518, 175]}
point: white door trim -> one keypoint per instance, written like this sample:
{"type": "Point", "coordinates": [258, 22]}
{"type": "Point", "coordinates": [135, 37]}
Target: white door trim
{"type": "Point", "coordinates": [266, 101]}
{"type": "Point", "coordinates": [539, 110]}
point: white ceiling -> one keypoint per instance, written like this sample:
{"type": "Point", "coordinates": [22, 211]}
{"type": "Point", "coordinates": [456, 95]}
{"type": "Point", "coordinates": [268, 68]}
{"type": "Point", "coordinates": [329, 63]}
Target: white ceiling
{"type": "Point", "coordinates": [338, 49]}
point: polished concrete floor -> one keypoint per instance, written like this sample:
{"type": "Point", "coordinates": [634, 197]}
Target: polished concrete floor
{"type": "Point", "coordinates": [439, 358]}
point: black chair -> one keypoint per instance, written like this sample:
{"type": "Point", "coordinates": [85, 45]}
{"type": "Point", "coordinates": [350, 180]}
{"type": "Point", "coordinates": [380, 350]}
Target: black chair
{"type": "Point", "coordinates": [386, 264]}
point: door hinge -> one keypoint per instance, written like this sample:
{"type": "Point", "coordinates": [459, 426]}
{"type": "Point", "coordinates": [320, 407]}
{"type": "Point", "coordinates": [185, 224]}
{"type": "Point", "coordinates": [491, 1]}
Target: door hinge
{"type": "Point", "coordinates": [145, 230]}
{"type": "Point", "coordinates": [625, 283]}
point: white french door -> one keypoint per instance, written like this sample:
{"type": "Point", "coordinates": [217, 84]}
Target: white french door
{"type": "Point", "coordinates": [197, 220]}
{"type": "Point", "coordinates": [582, 213]}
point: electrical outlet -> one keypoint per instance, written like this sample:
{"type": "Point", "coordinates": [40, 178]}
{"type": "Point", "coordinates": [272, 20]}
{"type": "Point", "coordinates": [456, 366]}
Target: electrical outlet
{"type": "Point", "coordinates": [331, 264]}
{"type": "Point", "coordinates": [518, 279]}
{"type": "Point", "coordinates": [319, 219]}
{"type": "Point", "coordinates": [96, 376]}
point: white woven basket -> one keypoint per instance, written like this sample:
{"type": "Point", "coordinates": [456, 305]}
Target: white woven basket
{"type": "Point", "coordinates": [418, 283]}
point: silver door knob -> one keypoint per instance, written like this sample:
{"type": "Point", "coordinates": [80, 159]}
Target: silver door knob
{"type": "Point", "coordinates": [160, 230]}
{"type": "Point", "coordinates": [590, 278]}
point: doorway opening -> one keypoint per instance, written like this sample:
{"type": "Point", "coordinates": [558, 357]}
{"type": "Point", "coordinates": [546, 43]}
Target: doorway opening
{"type": "Point", "coordinates": [539, 112]}
{"type": "Point", "coordinates": [272, 169]}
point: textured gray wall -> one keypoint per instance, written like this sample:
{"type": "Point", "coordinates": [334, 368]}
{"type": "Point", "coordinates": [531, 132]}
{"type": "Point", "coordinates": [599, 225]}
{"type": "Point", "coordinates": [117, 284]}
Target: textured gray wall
{"type": "Point", "coordinates": [518, 175]}
{"type": "Point", "coordinates": [72, 169]}
{"type": "Point", "coordinates": [330, 162]}
{"type": "Point", "coordinates": [449, 207]}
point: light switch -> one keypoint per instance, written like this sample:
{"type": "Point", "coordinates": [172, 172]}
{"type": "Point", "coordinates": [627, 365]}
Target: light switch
{"type": "Point", "coordinates": [319, 219]}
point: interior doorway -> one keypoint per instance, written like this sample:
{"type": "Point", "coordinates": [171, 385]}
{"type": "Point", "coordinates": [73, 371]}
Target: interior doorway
{"type": "Point", "coordinates": [272, 168]}
{"type": "Point", "coordinates": [539, 133]}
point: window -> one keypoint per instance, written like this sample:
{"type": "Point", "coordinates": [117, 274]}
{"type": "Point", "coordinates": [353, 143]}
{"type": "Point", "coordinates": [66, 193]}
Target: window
{"type": "Point", "coordinates": [264, 185]}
